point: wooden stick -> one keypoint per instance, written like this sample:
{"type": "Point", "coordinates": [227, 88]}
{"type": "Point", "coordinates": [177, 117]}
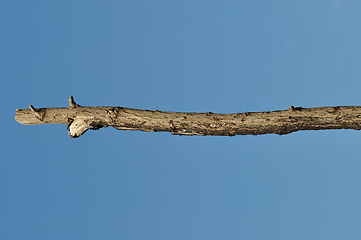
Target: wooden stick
{"type": "Point", "coordinates": [80, 119]}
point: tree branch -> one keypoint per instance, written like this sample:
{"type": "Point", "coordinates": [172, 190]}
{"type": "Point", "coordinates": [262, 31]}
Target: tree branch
{"type": "Point", "coordinates": [79, 119]}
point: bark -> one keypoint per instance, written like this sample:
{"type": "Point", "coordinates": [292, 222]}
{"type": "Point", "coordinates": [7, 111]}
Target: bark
{"type": "Point", "coordinates": [80, 119]}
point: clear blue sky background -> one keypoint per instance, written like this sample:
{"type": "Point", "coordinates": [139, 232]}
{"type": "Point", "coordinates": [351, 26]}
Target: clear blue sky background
{"type": "Point", "coordinates": [194, 56]}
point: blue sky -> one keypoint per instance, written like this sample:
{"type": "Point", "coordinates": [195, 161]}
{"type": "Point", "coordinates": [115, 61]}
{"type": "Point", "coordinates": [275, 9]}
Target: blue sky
{"type": "Point", "coordinates": [193, 56]}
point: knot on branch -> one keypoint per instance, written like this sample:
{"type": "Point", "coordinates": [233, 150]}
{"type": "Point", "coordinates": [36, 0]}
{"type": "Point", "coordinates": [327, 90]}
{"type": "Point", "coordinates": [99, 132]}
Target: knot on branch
{"type": "Point", "coordinates": [79, 125]}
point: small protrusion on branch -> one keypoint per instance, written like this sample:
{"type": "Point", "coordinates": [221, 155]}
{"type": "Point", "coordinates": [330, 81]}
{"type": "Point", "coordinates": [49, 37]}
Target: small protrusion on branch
{"type": "Point", "coordinates": [38, 114]}
{"type": "Point", "coordinates": [79, 125]}
{"type": "Point", "coordinates": [292, 108]}
{"type": "Point", "coordinates": [72, 103]}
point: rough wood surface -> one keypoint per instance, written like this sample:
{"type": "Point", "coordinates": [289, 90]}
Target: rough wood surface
{"type": "Point", "coordinates": [80, 119]}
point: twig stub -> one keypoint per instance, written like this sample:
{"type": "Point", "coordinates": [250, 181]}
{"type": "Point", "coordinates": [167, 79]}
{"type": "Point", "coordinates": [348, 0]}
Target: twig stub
{"type": "Point", "coordinates": [39, 114]}
{"type": "Point", "coordinates": [72, 103]}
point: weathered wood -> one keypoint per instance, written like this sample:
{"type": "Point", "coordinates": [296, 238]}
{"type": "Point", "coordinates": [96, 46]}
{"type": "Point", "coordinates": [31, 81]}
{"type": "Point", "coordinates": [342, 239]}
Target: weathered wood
{"type": "Point", "coordinates": [80, 119]}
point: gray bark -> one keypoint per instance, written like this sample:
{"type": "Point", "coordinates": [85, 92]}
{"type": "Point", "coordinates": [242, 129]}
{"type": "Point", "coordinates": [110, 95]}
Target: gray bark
{"type": "Point", "coordinates": [80, 119]}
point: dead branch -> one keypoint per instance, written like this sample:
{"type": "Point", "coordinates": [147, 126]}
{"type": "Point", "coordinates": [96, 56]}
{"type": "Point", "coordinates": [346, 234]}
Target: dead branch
{"type": "Point", "coordinates": [79, 119]}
